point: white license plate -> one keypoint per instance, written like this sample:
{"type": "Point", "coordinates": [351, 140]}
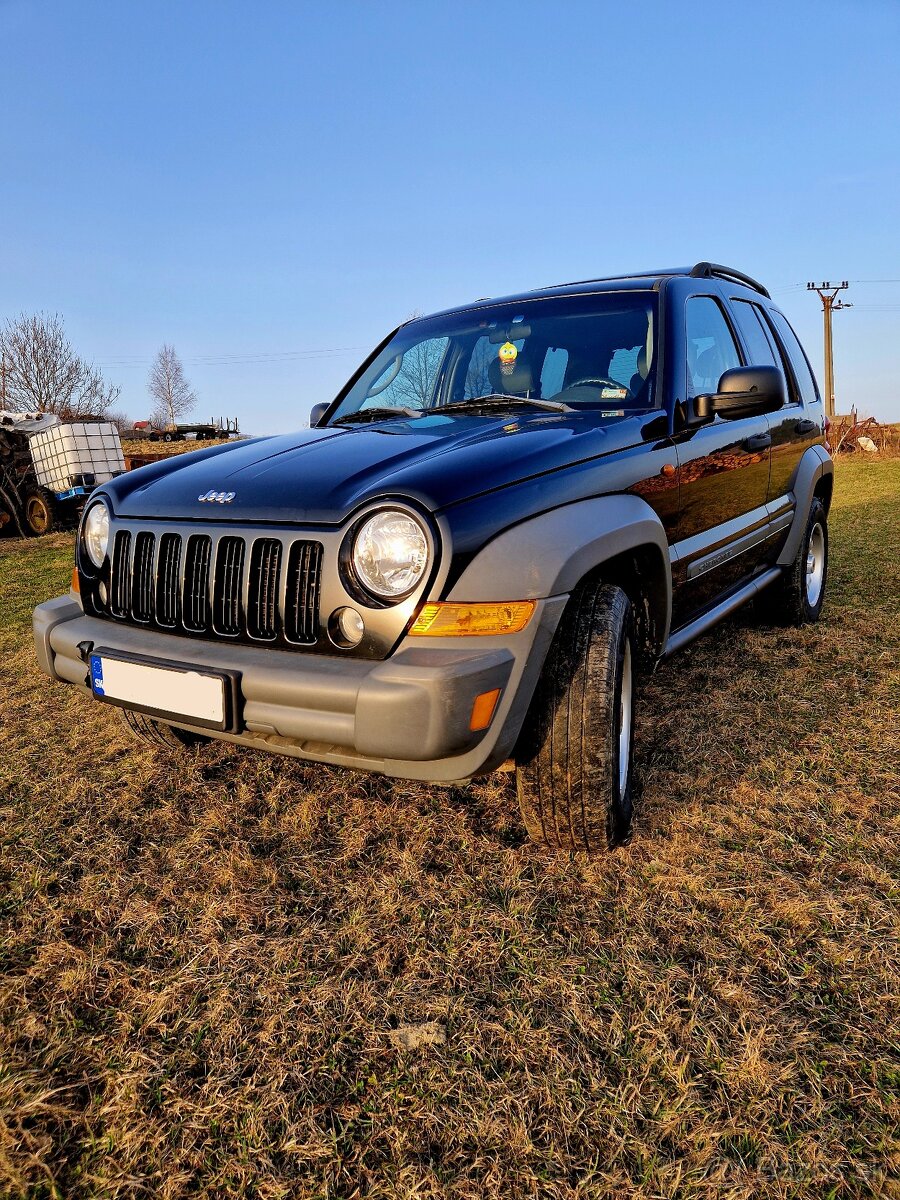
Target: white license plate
{"type": "Point", "coordinates": [169, 691]}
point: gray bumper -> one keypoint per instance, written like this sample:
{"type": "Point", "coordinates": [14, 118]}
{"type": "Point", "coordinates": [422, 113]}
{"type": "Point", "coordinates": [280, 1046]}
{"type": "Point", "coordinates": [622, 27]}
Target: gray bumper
{"type": "Point", "coordinates": [406, 716]}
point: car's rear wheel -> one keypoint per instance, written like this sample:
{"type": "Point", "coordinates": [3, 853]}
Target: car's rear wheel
{"type": "Point", "coordinates": [797, 598]}
{"type": "Point", "coordinates": [574, 759]}
{"type": "Point", "coordinates": [158, 733]}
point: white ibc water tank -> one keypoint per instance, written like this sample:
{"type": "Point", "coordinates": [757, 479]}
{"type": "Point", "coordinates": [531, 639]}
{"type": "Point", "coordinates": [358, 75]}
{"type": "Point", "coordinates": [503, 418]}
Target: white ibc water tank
{"type": "Point", "coordinates": [81, 454]}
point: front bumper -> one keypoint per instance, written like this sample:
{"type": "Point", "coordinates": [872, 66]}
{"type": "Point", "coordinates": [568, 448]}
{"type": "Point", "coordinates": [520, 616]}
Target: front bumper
{"type": "Point", "coordinates": [406, 716]}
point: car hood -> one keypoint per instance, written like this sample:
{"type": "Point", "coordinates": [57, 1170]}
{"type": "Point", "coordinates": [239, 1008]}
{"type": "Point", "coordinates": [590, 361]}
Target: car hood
{"type": "Point", "coordinates": [320, 476]}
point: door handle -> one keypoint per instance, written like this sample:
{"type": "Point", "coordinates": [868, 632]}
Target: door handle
{"type": "Point", "coordinates": [759, 441]}
{"type": "Point", "coordinates": [805, 426]}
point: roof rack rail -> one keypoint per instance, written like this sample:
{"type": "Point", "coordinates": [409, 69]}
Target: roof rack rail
{"type": "Point", "coordinates": [708, 270]}
{"type": "Point", "coordinates": [614, 278]}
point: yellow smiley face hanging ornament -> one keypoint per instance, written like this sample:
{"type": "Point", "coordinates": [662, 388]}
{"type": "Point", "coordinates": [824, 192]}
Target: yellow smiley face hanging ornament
{"type": "Point", "coordinates": [507, 355]}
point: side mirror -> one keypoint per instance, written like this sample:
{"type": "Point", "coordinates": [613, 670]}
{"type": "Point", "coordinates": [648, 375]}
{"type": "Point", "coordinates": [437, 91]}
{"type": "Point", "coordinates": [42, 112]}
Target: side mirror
{"type": "Point", "coordinates": [743, 392]}
{"type": "Point", "coordinates": [317, 412]}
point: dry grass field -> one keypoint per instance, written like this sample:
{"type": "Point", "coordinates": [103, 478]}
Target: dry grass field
{"type": "Point", "coordinates": [167, 449]}
{"type": "Point", "coordinates": [209, 966]}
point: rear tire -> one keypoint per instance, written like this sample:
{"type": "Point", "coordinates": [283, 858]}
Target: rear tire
{"type": "Point", "coordinates": [158, 733]}
{"type": "Point", "coordinates": [797, 598]}
{"type": "Point", "coordinates": [574, 760]}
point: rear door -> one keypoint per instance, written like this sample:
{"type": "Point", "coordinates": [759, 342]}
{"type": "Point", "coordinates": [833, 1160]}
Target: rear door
{"type": "Point", "coordinates": [799, 424]}
{"type": "Point", "coordinates": [723, 472]}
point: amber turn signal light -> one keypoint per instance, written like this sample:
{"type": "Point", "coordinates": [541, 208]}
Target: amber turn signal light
{"type": "Point", "coordinates": [463, 620]}
{"type": "Point", "coordinates": [76, 586]}
{"type": "Point", "coordinates": [483, 710]}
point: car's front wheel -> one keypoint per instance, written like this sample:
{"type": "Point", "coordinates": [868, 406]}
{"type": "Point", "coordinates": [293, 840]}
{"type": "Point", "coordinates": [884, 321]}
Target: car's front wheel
{"type": "Point", "coordinates": [159, 734]}
{"type": "Point", "coordinates": [574, 760]}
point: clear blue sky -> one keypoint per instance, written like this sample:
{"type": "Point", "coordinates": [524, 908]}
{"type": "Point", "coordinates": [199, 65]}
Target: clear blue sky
{"type": "Point", "coordinates": [272, 187]}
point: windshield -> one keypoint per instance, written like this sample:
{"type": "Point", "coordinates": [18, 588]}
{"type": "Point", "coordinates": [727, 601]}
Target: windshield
{"type": "Point", "coordinates": [594, 352]}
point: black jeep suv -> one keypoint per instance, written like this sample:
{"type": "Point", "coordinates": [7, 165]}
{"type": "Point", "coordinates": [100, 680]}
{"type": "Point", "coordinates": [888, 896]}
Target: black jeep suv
{"type": "Point", "coordinates": [510, 507]}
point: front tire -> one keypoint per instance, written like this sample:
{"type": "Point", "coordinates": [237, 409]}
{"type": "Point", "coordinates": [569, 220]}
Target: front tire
{"type": "Point", "coordinates": [574, 761]}
{"type": "Point", "coordinates": [159, 734]}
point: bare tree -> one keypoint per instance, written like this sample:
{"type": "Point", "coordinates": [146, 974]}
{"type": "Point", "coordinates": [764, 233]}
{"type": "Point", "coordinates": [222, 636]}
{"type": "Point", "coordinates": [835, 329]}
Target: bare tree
{"type": "Point", "coordinates": [171, 391]}
{"type": "Point", "coordinates": [121, 420]}
{"type": "Point", "coordinates": [40, 371]}
{"type": "Point", "coordinates": [414, 385]}
{"type": "Point", "coordinates": [478, 376]}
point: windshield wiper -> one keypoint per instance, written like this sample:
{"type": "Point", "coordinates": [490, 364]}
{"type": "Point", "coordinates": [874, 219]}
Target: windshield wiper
{"type": "Point", "coordinates": [385, 413]}
{"type": "Point", "coordinates": [497, 400]}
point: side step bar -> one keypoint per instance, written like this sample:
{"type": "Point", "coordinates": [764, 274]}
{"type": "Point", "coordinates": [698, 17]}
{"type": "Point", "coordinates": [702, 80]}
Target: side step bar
{"type": "Point", "coordinates": [724, 608]}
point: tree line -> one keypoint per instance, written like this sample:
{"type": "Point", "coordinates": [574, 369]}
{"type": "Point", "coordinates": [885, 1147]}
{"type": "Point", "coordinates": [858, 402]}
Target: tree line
{"type": "Point", "coordinates": [40, 371]}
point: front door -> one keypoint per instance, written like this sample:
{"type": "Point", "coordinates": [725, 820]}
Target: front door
{"type": "Point", "coordinates": [723, 472]}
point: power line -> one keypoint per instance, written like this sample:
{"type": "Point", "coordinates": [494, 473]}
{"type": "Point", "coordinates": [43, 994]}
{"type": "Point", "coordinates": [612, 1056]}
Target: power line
{"type": "Point", "coordinates": [797, 287]}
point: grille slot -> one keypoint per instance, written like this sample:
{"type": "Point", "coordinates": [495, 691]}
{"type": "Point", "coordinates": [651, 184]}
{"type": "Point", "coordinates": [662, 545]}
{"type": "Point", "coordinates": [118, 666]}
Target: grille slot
{"type": "Point", "coordinates": [301, 609]}
{"type": "Point", "coordinates": [120, 582]}
{"type": "Point", "coordinates": [227, 606]}
{"type": "Point", "coordinates": [167, 568]}
{"type": "Point", "coordinates": [265, 575]}
{"type": "Point", "coordinates": [142, 577]}
{"type": "Point", "coordinates": [195, 608]}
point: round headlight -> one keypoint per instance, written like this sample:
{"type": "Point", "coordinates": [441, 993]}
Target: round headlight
{"type": "Point", "coordinates": [95, 533]}
{"type": "Point", "coordinates": [390, 554]}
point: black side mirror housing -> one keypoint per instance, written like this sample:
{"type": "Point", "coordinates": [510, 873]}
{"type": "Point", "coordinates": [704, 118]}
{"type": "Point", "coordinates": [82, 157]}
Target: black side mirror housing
{"type": "Point", "coordinates": [743, 392]}
{"type": "Point", "coordinates": [317, 412]}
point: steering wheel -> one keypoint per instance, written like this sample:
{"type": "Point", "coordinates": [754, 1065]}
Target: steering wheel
{"type": "Point", "coordinates": [602, 381]}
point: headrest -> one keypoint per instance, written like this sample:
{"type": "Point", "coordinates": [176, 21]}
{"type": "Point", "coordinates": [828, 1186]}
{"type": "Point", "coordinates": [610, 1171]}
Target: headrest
{"type": "Point", "coordinates": [518, 381]}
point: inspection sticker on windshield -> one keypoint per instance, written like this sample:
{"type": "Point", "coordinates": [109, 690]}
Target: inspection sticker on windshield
{"type": "Point", "coordinates": [609, 393]}
{"type": "Point", "coordinates": [612, 412]}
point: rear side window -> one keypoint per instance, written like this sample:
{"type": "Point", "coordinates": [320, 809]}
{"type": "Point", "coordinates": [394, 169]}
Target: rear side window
{"type": "Point", "coordinates": [711, 349]}
{"type": "Point", "coordinates": [809, 393]}
{"type": "Point", "coordinates": [748, 319]}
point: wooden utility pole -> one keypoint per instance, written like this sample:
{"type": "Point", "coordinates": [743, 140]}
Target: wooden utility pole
{"type": "Point", "coordinates": [827, 293]}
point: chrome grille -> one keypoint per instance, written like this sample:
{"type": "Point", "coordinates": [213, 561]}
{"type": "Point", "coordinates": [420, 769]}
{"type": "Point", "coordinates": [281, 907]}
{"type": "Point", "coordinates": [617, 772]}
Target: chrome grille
{"type": "Point", "coordinates": [301, 605]}
{"type": "Point", "coordinates": [120, 589]}
{"type": "Point", "coordinates": [196, 583]}
{"type": "Point", "coordinates": [262, 600]}
{"type": "Point", "coordinates": [142, 578]}
{"type": "Point", "coordinates": [236, 587]}
{"type": "Point", "coordinates": [227, 607]}
{"type": "Point", "coordinates": [168, 607]}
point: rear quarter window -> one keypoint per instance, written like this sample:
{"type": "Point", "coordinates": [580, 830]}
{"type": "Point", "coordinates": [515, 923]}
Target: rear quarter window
{"type": "Point", "coordinates": [749, 322]}
{"type": "Point", "coordinates": [806, 383]}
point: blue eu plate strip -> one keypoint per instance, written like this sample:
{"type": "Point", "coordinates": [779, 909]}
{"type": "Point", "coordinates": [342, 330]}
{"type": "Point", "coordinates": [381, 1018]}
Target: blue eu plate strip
{"type": "Point", "coordinates": [97, 674]}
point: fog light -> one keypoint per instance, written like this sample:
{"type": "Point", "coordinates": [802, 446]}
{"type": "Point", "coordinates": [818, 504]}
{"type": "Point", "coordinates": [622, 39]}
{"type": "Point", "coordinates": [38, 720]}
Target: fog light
{"type": "Point", "coordinates": [346, 628]}
{"type": "Point", "coordinates": [101, 592]}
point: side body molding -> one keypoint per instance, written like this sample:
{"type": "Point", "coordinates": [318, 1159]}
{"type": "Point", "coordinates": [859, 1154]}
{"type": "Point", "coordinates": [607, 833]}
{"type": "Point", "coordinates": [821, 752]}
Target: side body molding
{"type": "Point", "coordinates": [815, 465]}
{"type": "Point", "coordinates": [548, 555]}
